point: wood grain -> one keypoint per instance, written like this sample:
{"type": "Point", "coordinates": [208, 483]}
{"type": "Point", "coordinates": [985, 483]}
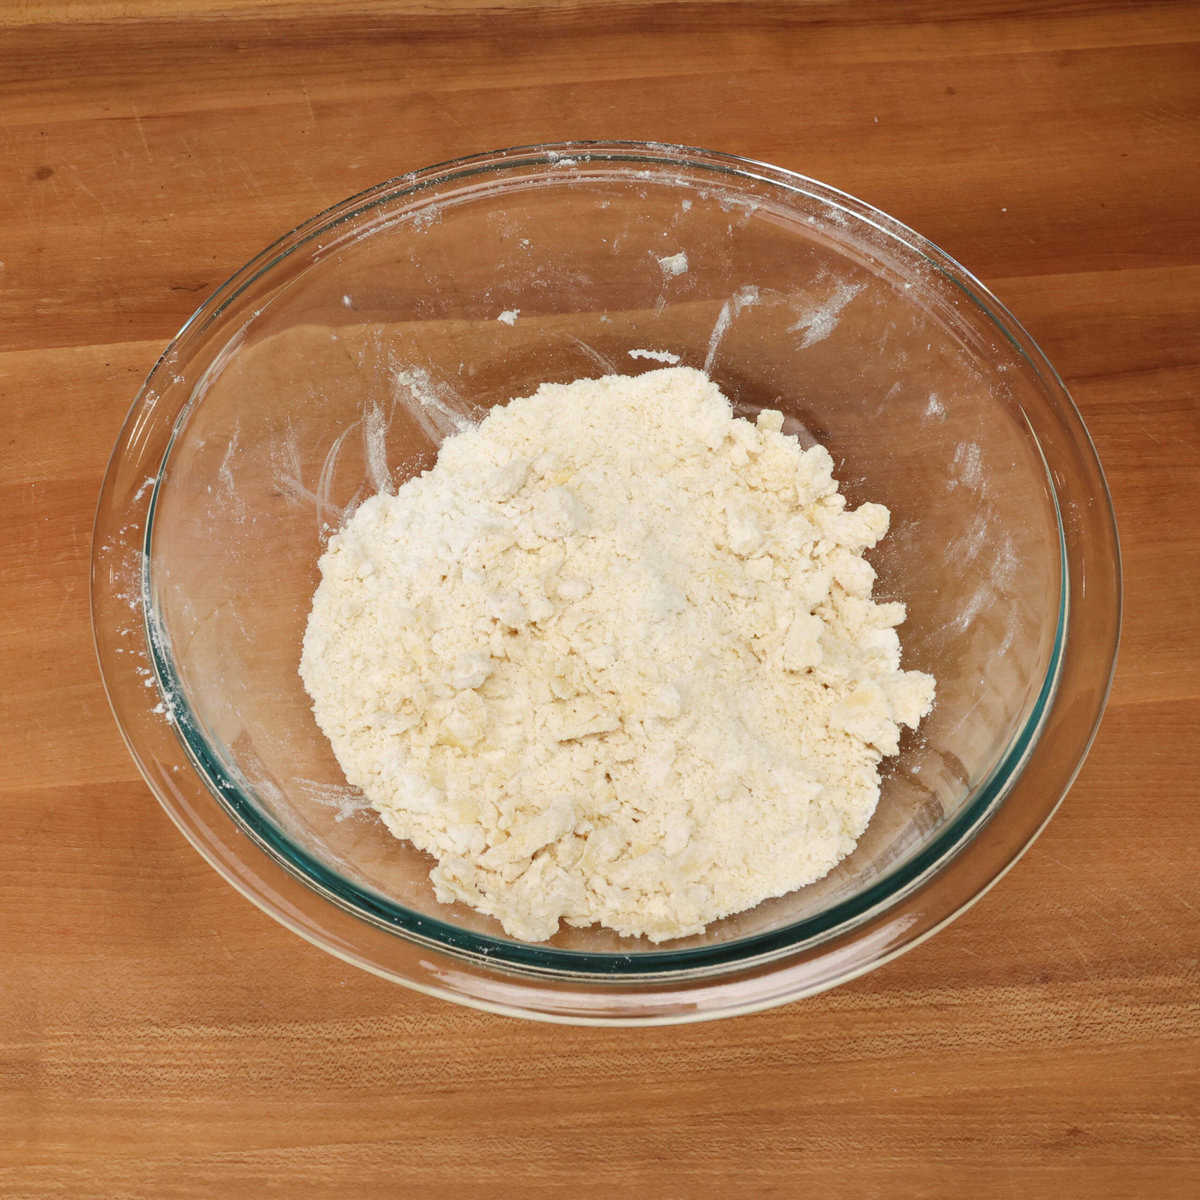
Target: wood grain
{"type": "Point", "coordinates": [161, 1038]}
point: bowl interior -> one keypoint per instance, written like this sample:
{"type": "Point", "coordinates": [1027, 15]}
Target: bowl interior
{"type": "Point", "coordinates": [339, 367]}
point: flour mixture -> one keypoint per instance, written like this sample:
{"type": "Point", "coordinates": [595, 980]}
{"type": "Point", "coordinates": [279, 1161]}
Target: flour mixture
{"type": "Point", "coordinates": [614, 659]}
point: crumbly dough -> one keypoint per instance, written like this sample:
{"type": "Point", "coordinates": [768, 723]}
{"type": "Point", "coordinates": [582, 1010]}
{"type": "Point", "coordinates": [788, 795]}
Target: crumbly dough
{"type": "Point", "coordinates": [614, 659]}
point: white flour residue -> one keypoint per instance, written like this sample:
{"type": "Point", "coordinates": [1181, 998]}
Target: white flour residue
{"type": "Point", "coordinates": [225, 471]}
{"type": "Point", "coordinates": [993, 590]}
{"type": "Point", "coordinates": [728, 203]}
{"type": "Point", "coordinates": [509, 316]}
{"type": "Point", "coordinates": [967, 466]}
{"type": "Point", "coordinates": [1003, 571]}
{"type": "Point", "coordinates": [966, 548]}
{"type": "Point", "coordinates": [427, 403]}
{"type": "Point", "coordinates": [674, 264]}
{"type": "Point", "coordinates": [934, 409]}
{"type": "Point", "coordinates": [236, 505]}
{"type": "Point", "coordinates": [980, 598]}
{"type": "Point", "coordinates": [126, 577]}
{"type": "Point", "coordinates": [742, 298]}
{"type": "Point", "coordinates": [820, 323]}
{"type": "Point", "coordinates": [1004, 566]}
{"type": "Point", "coordinates": [426, 217]}
{"type": "Point", "coordinates": [170, 703]}
{"type": "Point", "coordinates": [285, 464]}
{"type": "Point", "coordinates": [375, 448]}
{"type": "Point", "coordinates": [325, 505]}
{"type": "Point", "coordinates": [605, 363]}
{"type": "Point", "coordinates": [288, 475]}
{"type": "Point", "coordinates": [662, 356]}
{"type": "Point", "coordinates": [345, 801]}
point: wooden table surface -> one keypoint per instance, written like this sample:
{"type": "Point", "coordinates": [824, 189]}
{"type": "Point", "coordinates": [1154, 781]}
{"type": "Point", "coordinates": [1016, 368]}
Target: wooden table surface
{"type": "Point", "coordinates": [159, 1037]}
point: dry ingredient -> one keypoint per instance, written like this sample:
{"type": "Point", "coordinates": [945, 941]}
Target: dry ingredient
{"type": "Point", "coordinates": [614, 659]}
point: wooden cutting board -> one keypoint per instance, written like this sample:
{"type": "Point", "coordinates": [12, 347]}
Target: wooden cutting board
{"type": "Point", "coordinates": [159, 1037]}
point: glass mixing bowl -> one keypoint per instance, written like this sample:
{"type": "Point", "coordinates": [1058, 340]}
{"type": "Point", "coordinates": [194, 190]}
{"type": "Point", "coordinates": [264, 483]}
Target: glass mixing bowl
{"type": "Point", "coordinates": [333, 364]}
